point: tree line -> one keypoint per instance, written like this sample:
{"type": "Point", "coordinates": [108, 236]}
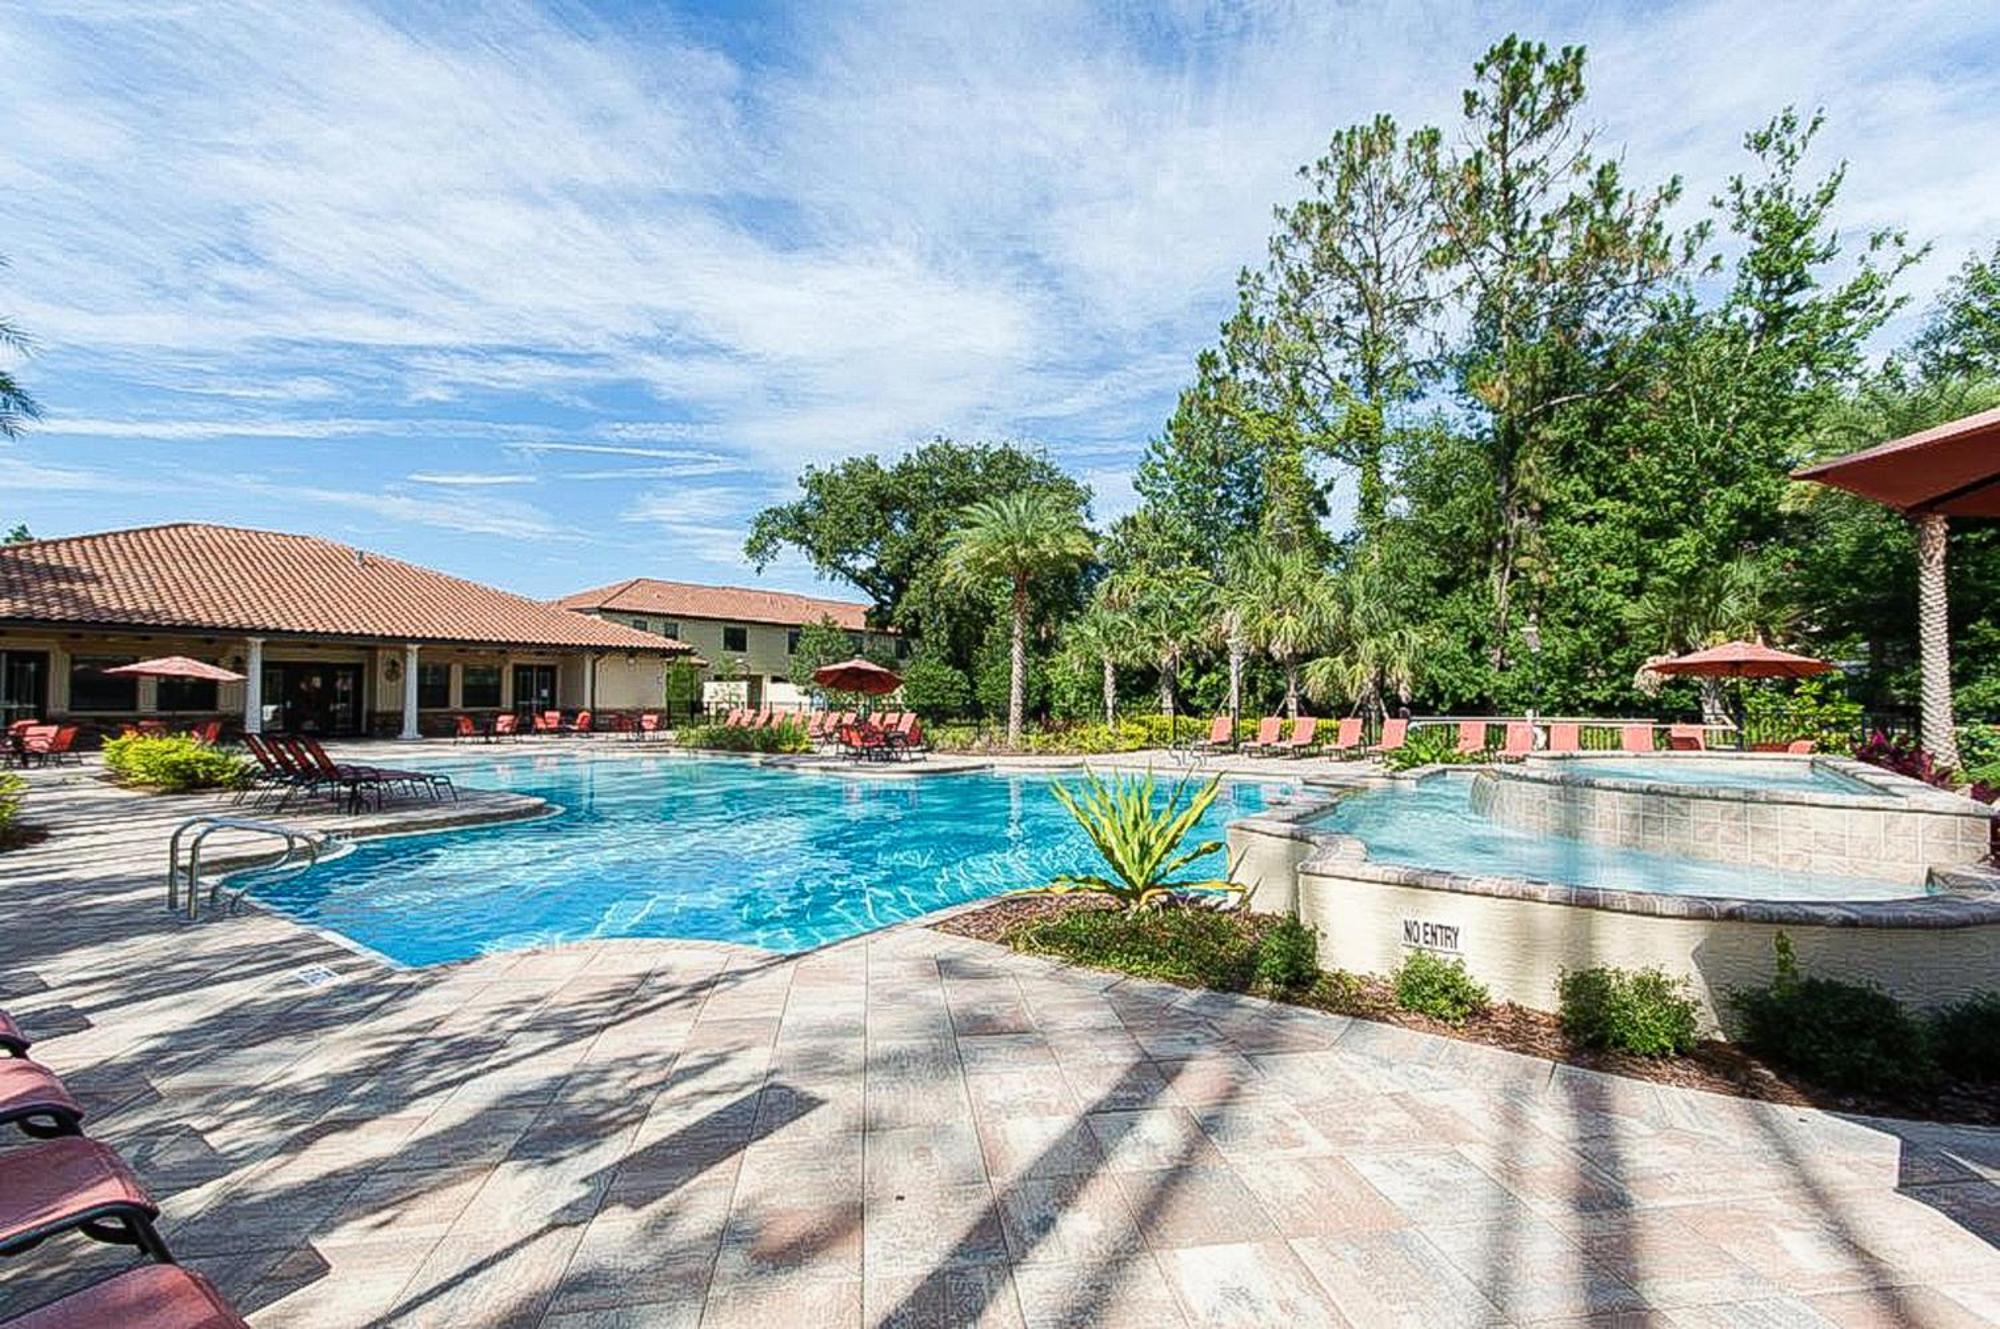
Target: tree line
{"type": "Point", "coordinates": [1563, 425]}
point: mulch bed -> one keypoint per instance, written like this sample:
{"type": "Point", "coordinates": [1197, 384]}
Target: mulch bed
{"type": "Point", "coordinates": [1714, 1066]}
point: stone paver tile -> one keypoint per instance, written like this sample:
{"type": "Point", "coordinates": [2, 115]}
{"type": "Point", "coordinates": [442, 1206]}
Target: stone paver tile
{"type": "Point", "coordinates": [922, 1158]}
{"type": "Point", "coordinates": [814, 1238]}
{"type": "Point", "coordinates": [896, 1101]}
{"type": "Point", "coordinates": [1151, 1138]}
{"type": "Point", "coordinates": [655, 1315]}
{"type": "Point", "coordinates": [989, 1015]}
{"type": "Point", "coordinates": [979, 1297]}
{"type": "Point", "coordinates": [1549, 1177]}
{"type": "Point", "coordinates": [1129, 1292]}
{"type": "Point", "coordinates": [1179, 1039]}
{"type": "Point", "coordinates": [1262, 1128]}
{"type": "Point", "coordinates": [1428, 1184]}
{"type": "Point", "coordinates": [1112, 1085]}
{"type": "Point", "coordinates": [1776, 1313]}
{"type": "Point", "coordinates": [488, 1279]}
{"type": "Point", "coordinates": [334, 1285]}
{"type": "Point", "coordinates": [1004, 1052]}
{"type": "Point", "coordinates": [1896, 1308]}
{"type": "Point", "coordinates": [778, 1172]}
{"type": "Point", "coordinates": [1038, 1147]}
{"type": "Point", "coordinates": [1199, 1082]}
{"type": "Point", "coordinates": [1032, 1090]}
{"type": "Point", "coordinates": [1377, 1122]}
{"type": "Point", "coordinates": [1314, 1197]}
{"type": "Point", "coordinates": [1797, 1247]}
{"type": "Point", "coordinates": [1666, 1260]}
{"type": "Point", "coordinates": [1306, 1077]}
{"type": "Point", "coordinates": [1197, 1204]}
{"type": "Point", "coordinates": [758, 1303]}
{"type": "Point", "coordinates": [1531, 1271]}
{"type": "Point", "coordinates": [405, 1203]}
{"type": "Point", "coordinates": [1395, 1280]}
{"type": "Point", "coordinates": [1067, 1220]}
{"type": "Point", "coordinates": [625, 1261]}
{"type": "Point", "coordinates": [1248, 1286]}
{"type": "Point", "coordinates": [933, 1228]}
{"type": "Point", "coordinates": [459, 1138]}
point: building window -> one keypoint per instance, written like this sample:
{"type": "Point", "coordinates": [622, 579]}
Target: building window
{"type": "Point", "coordinates": [479, 689]}
{"type": "Point", "coordinates": [433, 686]}
{"type": "Point", "coordinates": [670, 629]}
{"type": "Point", "coordinates": [639, 623]}
{"type": "Point", "coordinates": [735, 638]}
{"type": "Point", "coordinates": [185, 694]}
{"type": "Point", "coordinates": [792, 642]}
{"type": "Point", "coordinates": [91, 689]}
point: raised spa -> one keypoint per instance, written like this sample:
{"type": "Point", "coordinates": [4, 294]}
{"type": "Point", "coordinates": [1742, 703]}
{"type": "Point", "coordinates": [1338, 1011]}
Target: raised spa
{"type": "Point", "coordinates": [1689, 863]}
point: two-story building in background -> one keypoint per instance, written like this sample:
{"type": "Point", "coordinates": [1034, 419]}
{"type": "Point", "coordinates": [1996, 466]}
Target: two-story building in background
{"type": "Point", "coordinates": [747, 636]}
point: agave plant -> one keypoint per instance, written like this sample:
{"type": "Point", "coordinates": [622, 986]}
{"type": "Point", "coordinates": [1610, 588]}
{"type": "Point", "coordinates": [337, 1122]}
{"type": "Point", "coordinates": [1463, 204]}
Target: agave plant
{"type": "Point", "coordinates": [1141, 842]}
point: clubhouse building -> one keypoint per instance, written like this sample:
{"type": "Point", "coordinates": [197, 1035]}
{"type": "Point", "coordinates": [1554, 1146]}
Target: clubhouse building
{"type": "Point", "coordinates": [330, 639]}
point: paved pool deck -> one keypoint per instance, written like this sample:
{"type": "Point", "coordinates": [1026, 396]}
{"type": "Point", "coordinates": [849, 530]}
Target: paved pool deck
{"type": "Point", "coordinates": [908, 1129]}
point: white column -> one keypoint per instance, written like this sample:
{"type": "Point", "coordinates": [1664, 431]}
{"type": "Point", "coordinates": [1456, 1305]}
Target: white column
{"type": "Point", "coordinates": [410, 693]}
{"type": "Point", "coordinates": [253, 687]}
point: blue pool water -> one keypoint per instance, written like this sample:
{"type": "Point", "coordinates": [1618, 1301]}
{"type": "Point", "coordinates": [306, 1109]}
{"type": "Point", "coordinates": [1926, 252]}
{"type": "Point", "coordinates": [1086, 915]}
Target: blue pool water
{"type": "Point", "coordinates": [1719, 773]}
{"type": "Point", "coordinates": [1432, 824]}
{"type": "Point", "coordinates": [718, 850]}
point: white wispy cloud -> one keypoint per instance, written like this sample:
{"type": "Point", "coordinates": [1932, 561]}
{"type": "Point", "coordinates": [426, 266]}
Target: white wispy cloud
{"type": "Point", "coordinates": [468, 479]}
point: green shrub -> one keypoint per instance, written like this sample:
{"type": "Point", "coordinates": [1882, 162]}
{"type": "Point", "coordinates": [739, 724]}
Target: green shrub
{"type": "Point", "coordinates": [1967, 1037]}
{"type": "Point", "coordinates": [172, 763]}
{"type": "Point", "coordinates": [12, 788]}
{"type": "Point", "coordinates": [1641, 1011]}
{"type": "Point", "coordinates": [1840, 1035]}
{"type": "Point", "coordinates": [1198, 947]}
{"type": "Point", "coordinates": [1979, 753]}
{"type": "Point", "coordinates": [1432, 985]}
{"type": "Point", "coordinates": [775, 738]}
{"type": "Point", "coordinates": [1288, 956]}
{"type": "Point", "coordinates": [1433, 745]}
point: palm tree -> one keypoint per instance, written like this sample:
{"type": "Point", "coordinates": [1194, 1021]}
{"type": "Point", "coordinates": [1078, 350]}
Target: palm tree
{"type": "Point", "coordinates": [1105, 637]}
{"type": "Point", "coordinates": [1018, 537]}
{"type": "Point", "coordinates": [1378, 652]}
{"type": "Point", "coordinates": [16, 406]}
{"type": "Point", "coordinates": [1288, 607]}
{"type": "Point", "coordinates": [1169, 609]}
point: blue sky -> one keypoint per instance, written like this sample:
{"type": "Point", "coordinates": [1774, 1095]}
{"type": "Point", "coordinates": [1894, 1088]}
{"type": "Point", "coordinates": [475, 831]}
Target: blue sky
{"type": "Point", "coordinates": [552, 294]}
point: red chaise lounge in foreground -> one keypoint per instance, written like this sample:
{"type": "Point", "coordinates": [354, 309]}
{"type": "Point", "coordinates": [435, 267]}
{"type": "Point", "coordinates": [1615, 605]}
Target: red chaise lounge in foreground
{"type": "Point", "coordinates": [32, 1098]}
{"type": "Point", "coordinates": [152, 1296]}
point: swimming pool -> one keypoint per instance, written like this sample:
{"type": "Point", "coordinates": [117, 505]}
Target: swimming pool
{"type": "Point", "coordinates": [1723, 772]}
{"type": "Point", "coordinates": [712, 849]}
{"type": "Point", "coordinates": [1433, 823]}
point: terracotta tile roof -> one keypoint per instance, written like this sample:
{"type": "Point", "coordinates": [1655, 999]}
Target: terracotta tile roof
{"type": "Point", "coordinates": [226, 578]}
{"type": "Point", "coordinates": [735, 604]}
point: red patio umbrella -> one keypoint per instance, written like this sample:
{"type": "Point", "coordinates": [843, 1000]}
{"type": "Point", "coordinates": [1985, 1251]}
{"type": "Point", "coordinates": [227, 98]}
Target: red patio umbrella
{"type": "Point", "coordinates": [1952, 470]}
{"type": "Point", "coordinates": [858, 675]}
{"type": "Point", "coordinates": [1742, 659]}
{"type": "Point", "coordinates": [177, 666]}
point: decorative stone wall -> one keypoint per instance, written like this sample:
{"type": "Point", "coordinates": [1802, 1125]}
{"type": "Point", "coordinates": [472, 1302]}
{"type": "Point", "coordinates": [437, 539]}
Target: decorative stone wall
{"type": "Point", "coordinates": [1893, 836]}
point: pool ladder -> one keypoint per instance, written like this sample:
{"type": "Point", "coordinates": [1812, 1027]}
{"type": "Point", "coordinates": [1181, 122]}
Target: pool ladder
{"type": "Point", "coordinates": [301, 851]}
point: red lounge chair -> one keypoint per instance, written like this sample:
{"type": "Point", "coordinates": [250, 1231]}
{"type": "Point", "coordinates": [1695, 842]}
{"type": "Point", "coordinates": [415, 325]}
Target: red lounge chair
{"type": "Point", "coordinates": [506, 726]}
{"type": "Point", "coordinates": [1520, 741]}
{"type": "Point", "coordinates": [1305, 732]}
{"type": "Point", "coordinates": [1268, 730]}
{"type": "Point", "coordinates": [208, 734]}
{"type": "Point", "coordinates": [908, 735]}
{"type": "Point", "coordinates": [74, 1185]}
{"type": "Point", "coordinates": [152, 1296]}
{"type": "Point", "coordinates": [1565, 738]}
{"type": "Point", "coordinates": [464, 727]}
{"type": "Point", "coordinates": [1471, 736]}
{"type": "Point", "coordinates": [1395, 733]}
{"type": "Point", "coordinates": [1636, 737]}
{"type": "Point", "coordinates": [1686, 738]}
{"type": "Point", "coordinates": [1346, 737]}
{"type": "Point", "coordinates": [32, 1098]}
{"type": "Point", "coordinates": [1221, 734]}
{"type": "Point", "coordinates": [863, 742]}
{"type": "Point", "coordinates": [1799, 747]}
{"type": "Point", "coordinates": [649, 725]}
{"type": "Point", "coordinates": [581, 725]}
{"type": "Point", "coordinates": [14, 1040]}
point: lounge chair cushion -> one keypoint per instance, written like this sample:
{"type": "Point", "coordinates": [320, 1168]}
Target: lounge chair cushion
{"type": "Point", "coordinates": [14, 1040]}
{"type": "Point", "coordinates": [31, 1094]}
{"type": "Point", "coordinates": [152, 1296]}
{"type": "Point", "coordinates": [61, 1184]}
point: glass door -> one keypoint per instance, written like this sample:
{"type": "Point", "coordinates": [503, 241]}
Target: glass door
{"type": "Point", "coordinates": [534, 689]}
{"type": "Point", "coordinates": [24, 686]}
{"type": "Point", "coordinates": [312, 698]}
